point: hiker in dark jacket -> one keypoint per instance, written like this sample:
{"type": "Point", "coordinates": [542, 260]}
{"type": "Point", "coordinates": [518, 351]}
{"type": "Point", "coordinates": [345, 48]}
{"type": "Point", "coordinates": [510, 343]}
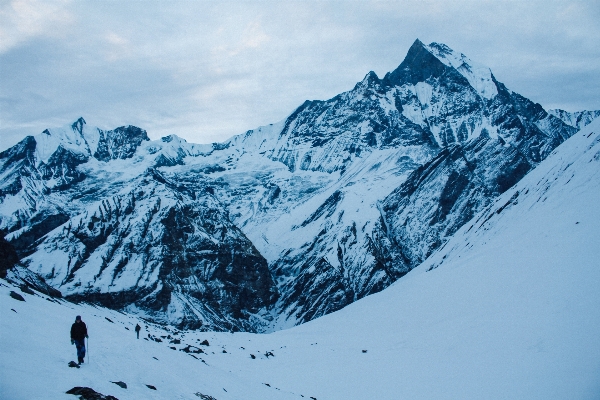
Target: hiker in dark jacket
{"type": "Point", "coordinates": [137, 330]}
{"type": "Point", "coordinates": [78, 335]}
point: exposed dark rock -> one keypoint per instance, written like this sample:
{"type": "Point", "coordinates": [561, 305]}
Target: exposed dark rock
{"type": "Point", "coordinates": [62, 168]}
{"type": "Point", "coordinates": [8, 256]}
{"type": "Point", "coordinates": [151, 387]}
{"type": "Point", "coordinates": [192, 349]}
{"type": "Point", "coordinates": [327, 209]}
{"type": "Point", "coordinates": [204, 396]}
{"type": "Point", "coordinates": [25, 289]}
{"type": "Point", "coordinates": [213, 168]}
{"type": "Point", "coordinates": [39, 225]}
{"type": "Point", "coordinates": [120, 384]}
{"type": "Point", "coordinates": [20, 159]}
{"type": "Point", "coordinates": [119, 143]}
{"type": "Point", "coordinates": [419, 65]}
{"type": "Point", "coordinates": [16, 296]}
{"type": "Point", "coordinates": [77, 126]}
{"type": "Point", "coordinates": [318, 289]}
{"type": "Point", "coordinates": [165, 161]}
{"type": "Point", "coordinates": [86, 393]}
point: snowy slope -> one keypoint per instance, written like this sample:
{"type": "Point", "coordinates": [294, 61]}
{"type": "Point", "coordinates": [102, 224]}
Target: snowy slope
{"type": "Point", "coordinates": [509, 308]}
{"type": "Point", "coordinates": [36, 350]}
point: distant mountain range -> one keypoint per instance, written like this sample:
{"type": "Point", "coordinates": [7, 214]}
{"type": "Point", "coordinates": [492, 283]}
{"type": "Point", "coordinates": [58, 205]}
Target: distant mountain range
{"type": "Point", "coordinates": [576, 119]}
{"type": "Point", "coordinates": [287, 222]}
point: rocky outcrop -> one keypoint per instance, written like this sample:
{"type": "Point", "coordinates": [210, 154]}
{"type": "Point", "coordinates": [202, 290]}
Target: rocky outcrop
{"type": "Point", "coordinates": [162, 250]}
{"type": "Point", "coordinates": [119, 143]}
{"type": "Point", "coordinates": [86, 393]}
{"type": "Point", "coordinates": [8, 257]}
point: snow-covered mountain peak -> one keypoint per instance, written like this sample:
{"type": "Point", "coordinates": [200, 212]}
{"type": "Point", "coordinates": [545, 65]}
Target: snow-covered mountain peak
{"type": "Point", "coordinates": [84, 141]}
{"type": "Point", "coordinates": [171, 138]}
{"type": "Point", "coordinates": [479, 76]}
{"type": "Point", "coordinates": [424, 62]}
{"type": "Point", "coordinates": [369, 80]}
{"type": "Point", "coordinates": [76, 137]}
{"type": "Point", "coordinates": [171, 150]}
{"type": "Point", "coordinates": [78, 125]}
{"type": "Point", "coordinates": [418, 66]}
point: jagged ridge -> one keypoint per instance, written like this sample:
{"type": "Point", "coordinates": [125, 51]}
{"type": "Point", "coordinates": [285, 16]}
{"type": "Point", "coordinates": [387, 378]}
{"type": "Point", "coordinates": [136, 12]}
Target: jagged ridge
{"type": "Point", "coordinates": [286, 222]}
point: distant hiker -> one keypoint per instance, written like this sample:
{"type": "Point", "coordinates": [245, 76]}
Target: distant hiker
{"type": "Point", "coordinates": [78, 335]}
{"type": "Point", "coordinates": [137, 330]}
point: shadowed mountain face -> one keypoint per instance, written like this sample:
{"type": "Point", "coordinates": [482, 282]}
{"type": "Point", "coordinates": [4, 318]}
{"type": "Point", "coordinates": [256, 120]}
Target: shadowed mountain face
{"type": "Point", "coordinates": [8, 257]}
{"type": "Point", "coordinates": [163, 250]}
{"type": "Point", "coordinates": [286, 222]}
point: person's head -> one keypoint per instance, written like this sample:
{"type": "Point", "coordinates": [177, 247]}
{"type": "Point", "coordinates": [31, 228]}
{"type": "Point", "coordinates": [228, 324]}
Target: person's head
{"type": "Point", "coordinates": [78, 318]}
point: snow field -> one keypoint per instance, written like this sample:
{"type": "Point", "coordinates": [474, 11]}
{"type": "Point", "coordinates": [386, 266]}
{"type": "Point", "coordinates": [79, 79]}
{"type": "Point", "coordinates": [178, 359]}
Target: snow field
{"type": "Point", "coordinates": [36, 349]}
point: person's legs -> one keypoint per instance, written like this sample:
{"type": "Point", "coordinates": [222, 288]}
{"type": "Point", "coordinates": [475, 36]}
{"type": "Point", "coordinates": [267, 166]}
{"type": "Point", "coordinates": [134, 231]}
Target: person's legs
{"type": "Point", "coordinates": [80, 344]}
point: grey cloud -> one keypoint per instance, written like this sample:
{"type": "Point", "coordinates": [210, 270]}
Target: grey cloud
{"type": "Point", "coordinates": [208, 70]}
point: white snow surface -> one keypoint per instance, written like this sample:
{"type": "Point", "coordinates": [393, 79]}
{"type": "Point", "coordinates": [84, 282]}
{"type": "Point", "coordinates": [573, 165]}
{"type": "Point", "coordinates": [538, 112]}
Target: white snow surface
{"type": "Point", "coordinates": [84, 143]}
{"type": "Point", "coordinates": [479, 76]}
{"type": "Point", "coordinates": [509, 308]}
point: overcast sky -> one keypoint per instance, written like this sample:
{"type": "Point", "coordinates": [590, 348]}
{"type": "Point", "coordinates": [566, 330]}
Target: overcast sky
{"type": "Point", "coordinates": [208, 70]}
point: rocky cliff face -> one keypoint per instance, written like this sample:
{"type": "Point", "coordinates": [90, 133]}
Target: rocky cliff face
{"type": "Point", "coordinates": [441, 196]}
{"type": "Point", "coordinates": [161, 250]}
{"type": "Point", "coordinates": [286, 222]}
{"type": "Point", "coordinates": [87, 210]}
{"type": "Point", "coordinates": [8, 257]}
